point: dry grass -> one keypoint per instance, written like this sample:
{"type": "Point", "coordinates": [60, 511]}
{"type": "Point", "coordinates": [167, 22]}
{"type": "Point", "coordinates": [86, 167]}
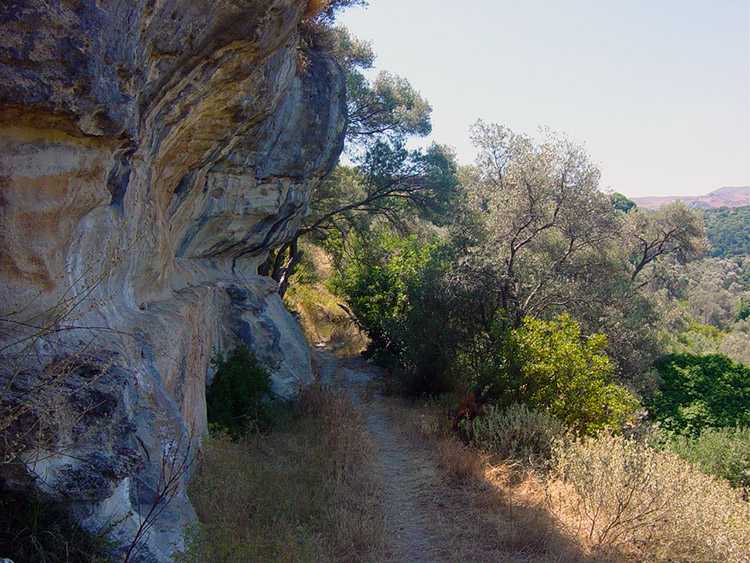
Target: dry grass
{"type": "Point", "coordinates": [303, 493]}
{"type": "Point", "coordinates": [608, 500]}
{"type": "Point", "coordinates": [323, 320]}
{"type": "Point", "coordinates": [497, 511]}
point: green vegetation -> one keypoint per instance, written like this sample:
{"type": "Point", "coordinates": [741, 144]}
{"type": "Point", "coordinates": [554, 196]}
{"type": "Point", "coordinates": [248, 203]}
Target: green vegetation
{"type": "Point", "coordinates": [33, 528]}
{"type": "Point", "coordinates": [549, 366]}
{"type": "Point", "coordinates": [728, 231]}
{"type": "Point", "coordinates": [604, 498]}
{"type": "Point", "coordinates": [724, 452]}
{"type": "Point", "coordinates": [743, 311]}
{"type": "Point", "coordinates": [517, 433]}
{"type": "Point", "coordinates": [557, 309]}
{"type": "Point", "coordinates": [698, 392]}
{"type": "Point", "coordinates": [518, 283]}
{"type": "Point", "coordinates": [237, 400]}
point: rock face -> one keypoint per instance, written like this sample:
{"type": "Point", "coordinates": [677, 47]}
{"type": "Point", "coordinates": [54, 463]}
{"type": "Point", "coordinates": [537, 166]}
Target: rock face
{"type": "Point", "coordinates": [152, 153]}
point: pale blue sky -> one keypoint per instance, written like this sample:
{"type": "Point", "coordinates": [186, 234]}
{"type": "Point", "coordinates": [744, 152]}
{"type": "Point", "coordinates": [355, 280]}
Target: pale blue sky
{"type": "Point", "coordinates": [657, 90]}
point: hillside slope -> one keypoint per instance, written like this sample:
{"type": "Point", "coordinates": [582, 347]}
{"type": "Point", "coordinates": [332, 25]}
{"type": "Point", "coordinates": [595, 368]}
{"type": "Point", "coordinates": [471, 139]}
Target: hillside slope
{"type": "Point", "coordinates": [723, 197]}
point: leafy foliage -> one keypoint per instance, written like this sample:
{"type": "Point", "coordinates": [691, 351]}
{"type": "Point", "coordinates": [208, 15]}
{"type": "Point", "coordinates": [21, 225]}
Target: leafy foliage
{"type": "Point", "coordinates": [549, 366]}
{"type": "Point", "coordinates": [743, 311]}
{"type": "Point", "coordinates": [535, 218]}
{"type": "Point", "coordinates": [237, 399]}
{"type": "Point", "coordinates": [673, 230]}
{"type": "Point", "coordinates": [710, 290]}
{"type": "Point", "coordinates": [621, 203]}
{"type": "Point", "coordinates": [734, 344]}
{"type": "Point", "coordinates": [698, 392]}
{"type": "Point", "coordinates": [728, 231]}
{"type": "Point", "coordinates": [388, 105]}
{"type": "Point", "coordinates": [385, 288]}
{"type": "Point", "coordinates": [517, 433]}
{"type": "Point", "coordinates": [389, 183]}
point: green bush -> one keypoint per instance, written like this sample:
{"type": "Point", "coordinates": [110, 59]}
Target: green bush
{"type": "Point", "coordinates": [698, 392]}
{"type": "Point", "coordinates": [724, 452]}
{"type": "Point", "coordinates": [392, 289]}
{"type": "Point", "coordinates": [548, 365]}
{"type": "Point", "coordinates": [743, 311]}
{"type": "Point", "coordinates": [238, 398]}
{"type": "Point", "coordinates": [518, 433]}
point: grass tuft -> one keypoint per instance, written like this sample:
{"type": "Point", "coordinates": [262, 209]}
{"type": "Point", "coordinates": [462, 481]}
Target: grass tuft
{"type": "Point", "coordinates": [33, 528]}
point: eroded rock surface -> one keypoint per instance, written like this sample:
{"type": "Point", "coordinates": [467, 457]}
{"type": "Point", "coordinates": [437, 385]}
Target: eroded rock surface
{"type": "Point", "coordinates": [152, 153]}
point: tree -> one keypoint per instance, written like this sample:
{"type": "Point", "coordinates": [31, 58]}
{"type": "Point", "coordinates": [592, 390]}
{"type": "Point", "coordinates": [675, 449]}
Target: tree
{"type": "Point", "coordinates": [537, 219]}
{"type": "Point", "coordinates": [389, 180]}
{"type": "Point", "coordinates": [622, 203]}
{"type": "Point", "coordinates": [728, 231]}
{"type": "Point", "coordinates": [380, 115]}
{"type": "Point", "coordinates": [388, 106]}
{"type": "Point", "coordinates": [673, 230]}
{"type": "Point", "coordinates": [698, 392]}
{"type": "Point", "coordinates": [548, 365]}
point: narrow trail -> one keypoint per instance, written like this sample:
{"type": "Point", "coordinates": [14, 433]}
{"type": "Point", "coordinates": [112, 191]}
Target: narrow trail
{"type": "Point", "coordinates": [430, 516]}
{"type": "Point", "coordinates": [411, 496]}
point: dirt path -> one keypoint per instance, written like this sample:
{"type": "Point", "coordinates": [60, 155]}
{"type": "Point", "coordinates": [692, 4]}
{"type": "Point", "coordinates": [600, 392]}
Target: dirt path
{"type": "Point", "coordinates": [431, 516]}
{"type": "Point", "coordinates": [411, 495]}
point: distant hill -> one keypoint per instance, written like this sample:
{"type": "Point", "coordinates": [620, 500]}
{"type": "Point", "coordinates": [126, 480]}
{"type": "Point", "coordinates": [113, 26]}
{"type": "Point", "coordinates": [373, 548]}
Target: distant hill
{"type": "Point", "coordinates": [723, 197]}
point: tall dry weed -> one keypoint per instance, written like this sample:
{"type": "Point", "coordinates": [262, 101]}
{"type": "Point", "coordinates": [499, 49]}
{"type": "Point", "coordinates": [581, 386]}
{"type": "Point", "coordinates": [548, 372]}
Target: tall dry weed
{"type": "Point", "coordinates": [630, 502]}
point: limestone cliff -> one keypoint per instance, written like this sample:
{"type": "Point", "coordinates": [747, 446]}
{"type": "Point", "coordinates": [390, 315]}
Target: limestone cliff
{"type": "Point", "coordinates": [152, 152]}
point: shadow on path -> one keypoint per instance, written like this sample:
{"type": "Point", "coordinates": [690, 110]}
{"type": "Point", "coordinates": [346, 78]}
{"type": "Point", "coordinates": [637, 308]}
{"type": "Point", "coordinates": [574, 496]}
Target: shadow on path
{"type": "Point", "coordinates": [428, 517]}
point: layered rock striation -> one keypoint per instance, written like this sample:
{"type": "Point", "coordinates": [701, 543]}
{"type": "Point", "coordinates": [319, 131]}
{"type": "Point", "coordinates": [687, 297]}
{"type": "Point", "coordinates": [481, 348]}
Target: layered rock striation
{"type": "Point", "coordinates": [152, 153]}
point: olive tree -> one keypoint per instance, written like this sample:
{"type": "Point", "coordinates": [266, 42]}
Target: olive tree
{"type": "Point", "coordinates": [536, 220]}
{"type": "Point", "coordinates": [674, 230]}
{"type": "Point", "coordinates": [391, 183]}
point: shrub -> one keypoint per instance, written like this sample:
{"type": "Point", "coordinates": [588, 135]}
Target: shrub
{"type": "Point", "coordinates": [391, 291]}
{"type": "Point", "coordinates": [724, 452]}
{"type": "Point", "coordinates": [238, 397]}
{"type": "Point", "coordinates": [627, 499]}
{"type": "Point", "coordinates": [517, 433]}
{"type": "Point", "coordinates": [549, 365]}
{"type": "Point", "coordinates": [698, 392]}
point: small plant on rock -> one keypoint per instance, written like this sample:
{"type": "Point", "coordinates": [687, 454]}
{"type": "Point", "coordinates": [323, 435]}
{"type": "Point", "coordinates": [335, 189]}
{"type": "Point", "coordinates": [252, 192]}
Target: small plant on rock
{"type": "Point", "coordinates": [238, 398]}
